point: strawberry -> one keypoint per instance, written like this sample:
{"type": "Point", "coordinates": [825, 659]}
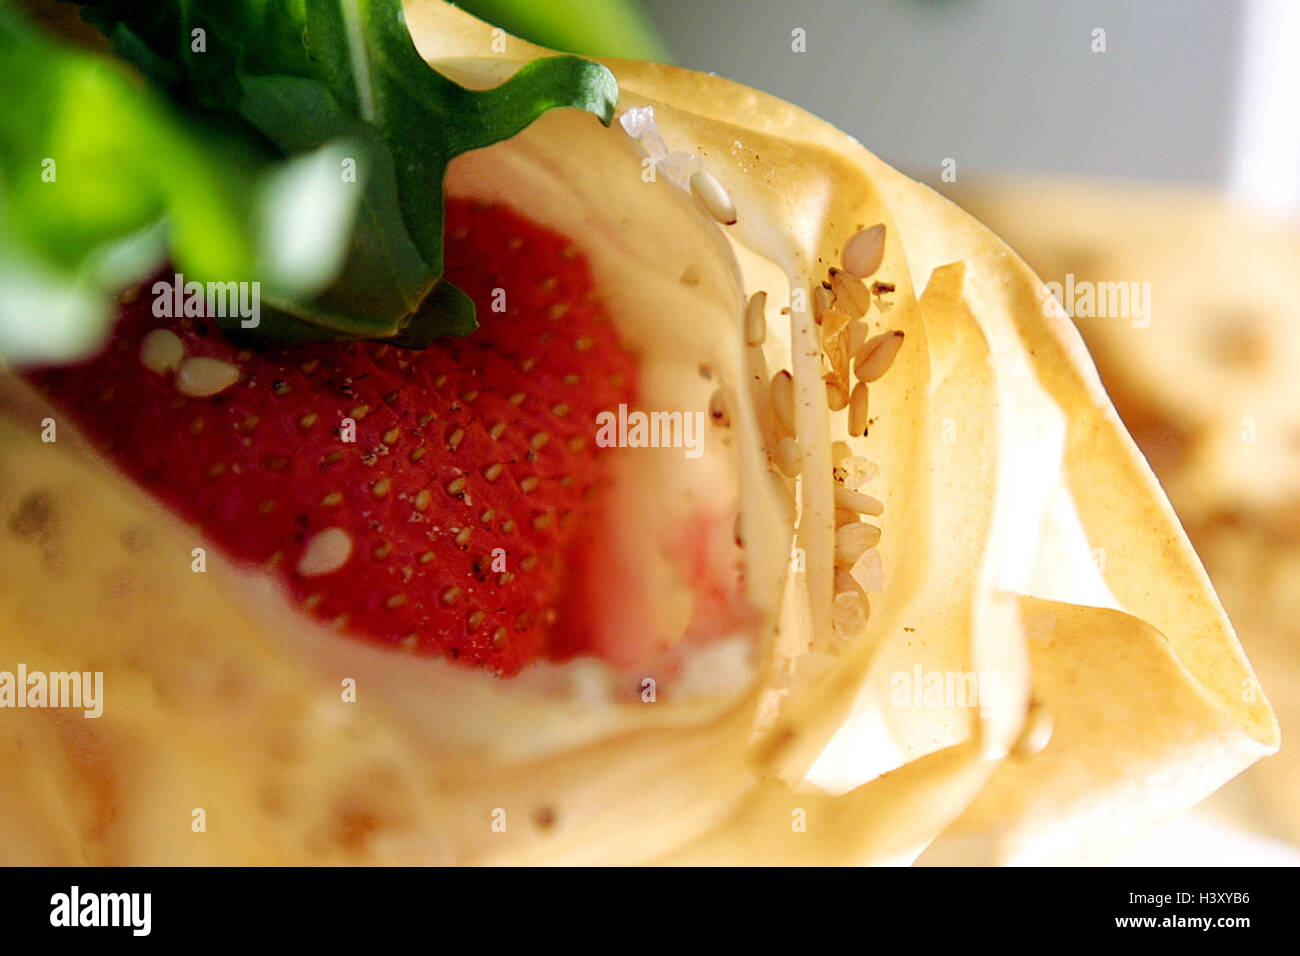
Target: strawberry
{"type": "Point", "coordinates": [447, 526]}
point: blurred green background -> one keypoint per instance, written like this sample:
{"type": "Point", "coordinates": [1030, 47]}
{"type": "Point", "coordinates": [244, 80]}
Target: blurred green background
{"type": "Point", "coordinates": [618, 28]}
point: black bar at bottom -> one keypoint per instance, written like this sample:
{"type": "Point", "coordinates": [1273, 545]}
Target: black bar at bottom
{"type": "Point", "coordinates": [655, 906]}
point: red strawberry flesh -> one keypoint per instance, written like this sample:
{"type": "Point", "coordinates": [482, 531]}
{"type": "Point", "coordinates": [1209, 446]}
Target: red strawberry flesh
{"type": "Point", "coordinates": [473, 475]}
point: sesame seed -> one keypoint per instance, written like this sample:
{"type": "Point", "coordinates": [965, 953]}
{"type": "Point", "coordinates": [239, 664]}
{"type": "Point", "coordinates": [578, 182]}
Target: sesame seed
{"type": "Point", "coordinates": [843, 516]}
{"type": "Point", "coordinates": [463, 536]}
{"type": "Point", "coordinates": [823, 299]}
{"type": "Point", "coordinates": [196, 426]}
{"type": "Point", "coordinates": [539, 440]}
{"type": "Point", "coordinates": [426, 557]}
{"type": "Point", "coordinates": [788, 457]}
{"type": "Point", "coordinates": [487, 516]}
{"type": "Point", "coordinates": [557, 311]}
{"type": "Point", "coordinates": [504, 578]}
{"type": "Point", "coordinates": [543, 521]}
{"type": "Point", "coordinates": [713, 197]}
{"type": "Point", "coordinates": [582, 345]}
{"type": "Point", "coordinates": [380, 487]}
{"type": "Point", "coordinates": [877, 355]}
{"type": "Point", "coordinates": [845, 583]}
{"type": "Point", "coordinates": [456, 485]}
{"type": "Point", "coordinates": [161, 351]}
{"type": "Point", "coordinates": [307, 420]}
{"type": "Point", "coordinates": [858, 410]}
{"type": "Point", "coordinates": [422, 499]}
{"type": "Point", "coordinates": [451, 595]}
{"type": "Point", "coordinates": [852, 540]}
{"type": "Point", "coordinates": [864, 251]}
{"type": "Point", "coordinates": [309, 366]}
{"type": "Point", "coordinates": [469, 396]}
{"type": "Point", "coordinates": [499, 638]}
{"type": "Point", "coordinates": [529, 483]}
{"type": "Point", "coordinates": [391, 435]}
{"type": "Point", "coordinates": [202, 377]}
{"type": "Point", "coordinates": [516, 399]}
{"type": "Point", "coordinates": [854, 470]}
{"type": "Point", "coordinates": [248, 424]}
{"type": "Point", "coordinates": [718, 408]}
{"type": "Point", "coordinates": [529, 562]}
{"type": "Point", "coordinates": [425, 419]}
{"type": "Point", "coordinates": [835, 398]}
{"type": "Point", "coordinates": [474, 620]}
{"type": "Point", "coordinates": [417, 454]}
{"type": "Point", "coordinates": [331, 499]}
{"type": "Point", "coordinates": [396, 601]}
{"type": "Point", "coordinates": [493, 471]}
{"type": "Point", "coordinates": [332, 457]}
{"type": "Point", "coordinates": [382, 551]}
{"type": "Point", "coordinates": [755, 321]}
{"type": "Point", "coordinates": [857, 501]}
{"type": "Point", "coordinates": [326, 552]}
{"type": "Point", "coordinates": [782, 392]}
{"type": "Point", "coordinates": [453, 442]}
{"type": "Point", "coordinates": [560, 410]}
{"type": "Point", "coordinates": [870, 571]}
{"type": "Point", "coordinates": [849, 613]}
{"type": "Point", "coordinates": [577, 443]}
{"type": "Point", "coordinates": [569, 379]}
{"type": "Point", "coordinates": [497, 430]}
{"type": "Point", "coordinates": [527, 364]}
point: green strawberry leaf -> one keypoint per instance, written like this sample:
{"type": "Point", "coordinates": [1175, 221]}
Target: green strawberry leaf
{"type": "Point", "coordinates": [298, 143]}
{"type": "Point", "coordinates": [304, 74]}
{"type": "Point", "coordinates": [618, 28]}
{"type": "Point", "coordinates": [100, 182]}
